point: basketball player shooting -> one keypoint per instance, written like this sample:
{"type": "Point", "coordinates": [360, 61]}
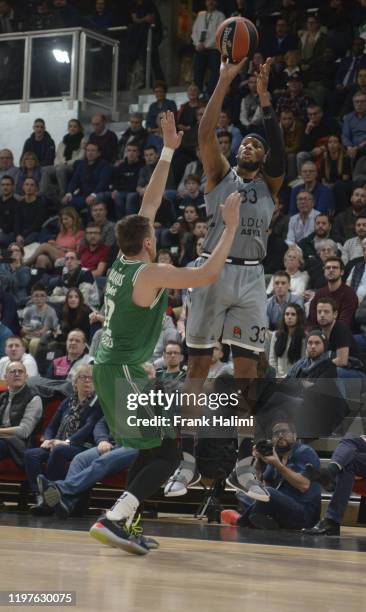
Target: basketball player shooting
{"type": "Point", "coordinates": [234, 307]}
{"type": "Point", "coordinates": [135, 302]}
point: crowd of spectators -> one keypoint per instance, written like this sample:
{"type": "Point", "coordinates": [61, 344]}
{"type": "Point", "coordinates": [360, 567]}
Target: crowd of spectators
{"type": "Point", "coordinates": [60, 202]}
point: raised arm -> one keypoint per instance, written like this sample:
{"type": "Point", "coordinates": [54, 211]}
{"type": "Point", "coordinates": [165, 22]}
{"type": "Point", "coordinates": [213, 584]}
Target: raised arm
{"type": "Point", "coordinates": [215, 165]}
{"type": "Point", "coordinates": [274, 165]}
{"type": "Point", "coordinates": [157, 276]}
{"type": "Point", "coordinates": [156, 187]}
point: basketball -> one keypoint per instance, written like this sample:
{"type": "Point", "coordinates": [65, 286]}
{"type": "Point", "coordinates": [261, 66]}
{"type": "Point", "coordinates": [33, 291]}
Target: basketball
{"type": "Point", "coordinates": [237, 38]}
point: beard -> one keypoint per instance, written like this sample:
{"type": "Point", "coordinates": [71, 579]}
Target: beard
{"type": "Point", "coordinates": [283, 448]}
{"type": "Point", "coordinates": [248, 165]}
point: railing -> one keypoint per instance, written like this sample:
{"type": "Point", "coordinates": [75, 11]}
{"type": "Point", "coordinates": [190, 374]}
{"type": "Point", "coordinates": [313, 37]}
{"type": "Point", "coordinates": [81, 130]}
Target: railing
{"type": "Point", "coordinates": [69, 63]}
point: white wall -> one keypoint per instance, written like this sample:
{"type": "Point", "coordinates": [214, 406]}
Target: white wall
{"type": "Point", "coordinates": [16, 126]}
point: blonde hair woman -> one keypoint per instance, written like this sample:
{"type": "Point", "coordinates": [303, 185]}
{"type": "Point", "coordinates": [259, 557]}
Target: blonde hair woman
{"type": "Point", "coordinates": [293, 262]}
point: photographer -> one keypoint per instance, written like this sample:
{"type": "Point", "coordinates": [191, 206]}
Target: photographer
{"type": "Point", "coordinates": [293, 501]}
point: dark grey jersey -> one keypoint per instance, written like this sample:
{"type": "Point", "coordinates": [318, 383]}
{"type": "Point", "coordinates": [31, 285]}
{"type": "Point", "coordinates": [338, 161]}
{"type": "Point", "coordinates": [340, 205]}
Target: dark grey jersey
{"type": "Point", "coordinates": [256, 211]}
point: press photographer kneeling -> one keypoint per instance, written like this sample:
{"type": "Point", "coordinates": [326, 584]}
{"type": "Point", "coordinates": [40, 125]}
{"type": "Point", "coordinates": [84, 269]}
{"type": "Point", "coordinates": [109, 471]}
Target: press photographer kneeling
{"type": "Point", "coordinates": [293, 501]}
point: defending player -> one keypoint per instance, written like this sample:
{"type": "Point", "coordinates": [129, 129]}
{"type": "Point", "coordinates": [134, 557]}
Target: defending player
{"type": "Point", "coordinates": [235, 306]}
{"type": "Point", "coordinates": [135, 302]}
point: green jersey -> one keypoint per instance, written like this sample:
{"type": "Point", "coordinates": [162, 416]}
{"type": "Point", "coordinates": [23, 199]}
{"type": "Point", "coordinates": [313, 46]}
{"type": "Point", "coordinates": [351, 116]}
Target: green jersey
{"type": "Point", "coordinates": [130, 332]}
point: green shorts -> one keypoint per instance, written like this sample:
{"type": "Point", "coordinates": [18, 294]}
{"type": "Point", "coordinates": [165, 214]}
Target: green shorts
{"type": "Point", "coordinates": [118, 388]}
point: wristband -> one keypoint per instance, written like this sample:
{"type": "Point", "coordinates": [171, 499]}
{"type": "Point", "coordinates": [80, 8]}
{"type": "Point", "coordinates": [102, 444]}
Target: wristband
{"type": "Point", "coordinates": [167, 154]}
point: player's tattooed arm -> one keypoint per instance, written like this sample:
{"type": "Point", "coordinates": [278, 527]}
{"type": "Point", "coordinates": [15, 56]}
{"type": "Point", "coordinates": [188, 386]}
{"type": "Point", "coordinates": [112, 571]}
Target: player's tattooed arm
{"type": "Point", "coordinates": [155, 190]}
{"type": "Point", "coordinates": [274, 165]}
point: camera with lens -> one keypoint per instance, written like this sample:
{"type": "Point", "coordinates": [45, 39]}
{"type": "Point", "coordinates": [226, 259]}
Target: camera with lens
{"type": "Point", "coordinates": [264, 447]}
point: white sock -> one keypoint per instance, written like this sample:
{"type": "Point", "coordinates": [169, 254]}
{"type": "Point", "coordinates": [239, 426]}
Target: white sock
{"type": "Point", "coordinates": [124, 508]}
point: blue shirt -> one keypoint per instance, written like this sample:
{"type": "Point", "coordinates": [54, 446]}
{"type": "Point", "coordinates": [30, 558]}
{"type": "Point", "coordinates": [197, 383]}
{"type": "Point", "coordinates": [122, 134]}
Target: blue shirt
{"type": "Point", "coordinates": [323, 198]}
{"type": "Point", "coordinates": [5, 333]}
{"type": "Point", "coordinates": [158, 107]}
{"type": "Point", "coordinates": [300, 455]}
{"type": "Point", "coordinates": [353, 130]}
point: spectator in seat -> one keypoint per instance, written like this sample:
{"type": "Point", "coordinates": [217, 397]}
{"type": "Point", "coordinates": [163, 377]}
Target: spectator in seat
{"type": "Point", "coordinates": [346, 463]}
{"type": "Point", "coordinates": [161, 105]}
{"type": "Point", "coordinates": [86, 469]}
{"type": "Point", "coordinates": [250, 109]}
{"type": "Point", "coordinates": [276, 44]}
{"type": "Point", "coordinates": [341, 343]}
{"type": "Point", "coordinates": [322, 195]}
{"type": "Point", "coordinates": [94, 253]}
{"type": "Point", "coordinates": [344, 223]}
{"type": "Point", "coordinates": [354, 133]}
{"type": "Point", "coordinates": [312, 42]}
{"type": "Point", "coordinates": [357, 277]}
{"type": "Point", "coordinates": [30, 214]}
{"type": "Point", "coordinates": [8, 205]}
{"type": "Point", "coordinates": [62, 368]}
{"type": "Point", "coordinates": [15, 351]}
{"type": "Point", "coordinates": [29, 168]}
{"type": "Point", "coordinates": [20, 412]}
{"type": "Point", "coordinates": [14, 275]}
{"type": "Point", "coordinates": [173, 359]}
{"type": "Point", "coordinates": [99, 213]}
{"type": "Point", "coordinates": [317, 130]}
{"type": "Point", "coordinates": [67, 16]}
{"type": "Point", "coordinates": [294, 98]}
{"type": "Point", "coordinates": [194, 167]}
{"type": "Point", "coordinates": [68, 434]}
{"type": "Point", "coordinates": [155, 139]}
{"type": "Point", "coordinates": [106, 140]}
{"type": "Point", "coordinates": [69, 150]}
{"type": "Point", "coordinates": [218, 367]}
{"type": "Point", "coordinates": [292, 131]}
{"type": "Point", "coordinates": [336, 172]}
{"type": "Point", "coordinates": [135, 134]}
{"type": "Point", "coordinates": [337, 19]}
{"type": "Point", "coordinates": [281, 298]}
{"type": "Point", "coordinates": [352, 248]}
{"type": "Point", "coordinates": [188, 118]}
{"type": "Point", "coordinates": [288, 342]}
{"type": "Point", "coordinates": [90, 176]}
{"type": "Point", "coordinates": [302, 224]}
{"type": "Point", "coordinates": [322, 231]}
{"type": "Point", "coordinates": [293, 261]}
{"type": "Point", "coordinates": [225, 140]}
{"type": "Point", "coordinates": [41, 144]}
{"type": "Point", "coordinates": [359, 86]}
{"type": "Point", "coordinates": [7, 167]}
{"type": "Point", "coordinates": [101, 18]}
{"type": "Point", "coordinates": [315, 265]}
{"type": "Point", "coordinates": [206, 57]}
{"type": "Point", "coordinates": [344, 297]}
{"type": "Point", "coordinates": [75, 315]}
{"type": "Point", "coordinates": [133, 199]}
{"type": "Point", "coordinates": [224, 124]}
{"type": "Point", "coordinates": [124, 179]}
{"type": "Point", "coordinates": [39, 319]}
{"type": "Point", "coordinates": [193, 194]}
{"type": "Point", "coordinates": [73, 274]}
{"type": "Point", "coordinates": [69, 237]}
{"type": "Point", "coordinates": [291, 500]}
{"type": "Point", "coordinates": [347, 71]}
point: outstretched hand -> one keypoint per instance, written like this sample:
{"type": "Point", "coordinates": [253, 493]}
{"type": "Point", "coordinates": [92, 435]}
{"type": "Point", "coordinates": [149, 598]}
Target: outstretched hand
{"type": "Point", "coordinates": [229, 71]}
{"type": "Point", "coordinates": [171, 137]}
{"type": "Point", "coordinates": [263, 76]}
{"type": "Point", "coordinates": [230, 210]}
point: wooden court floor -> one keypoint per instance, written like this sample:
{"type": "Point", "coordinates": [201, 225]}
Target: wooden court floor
{"type": "Point", "coordinates": [184, 575]}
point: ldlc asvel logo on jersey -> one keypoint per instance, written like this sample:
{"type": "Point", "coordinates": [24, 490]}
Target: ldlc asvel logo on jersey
{"type": "Point", "coordinates": [237, 332]}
